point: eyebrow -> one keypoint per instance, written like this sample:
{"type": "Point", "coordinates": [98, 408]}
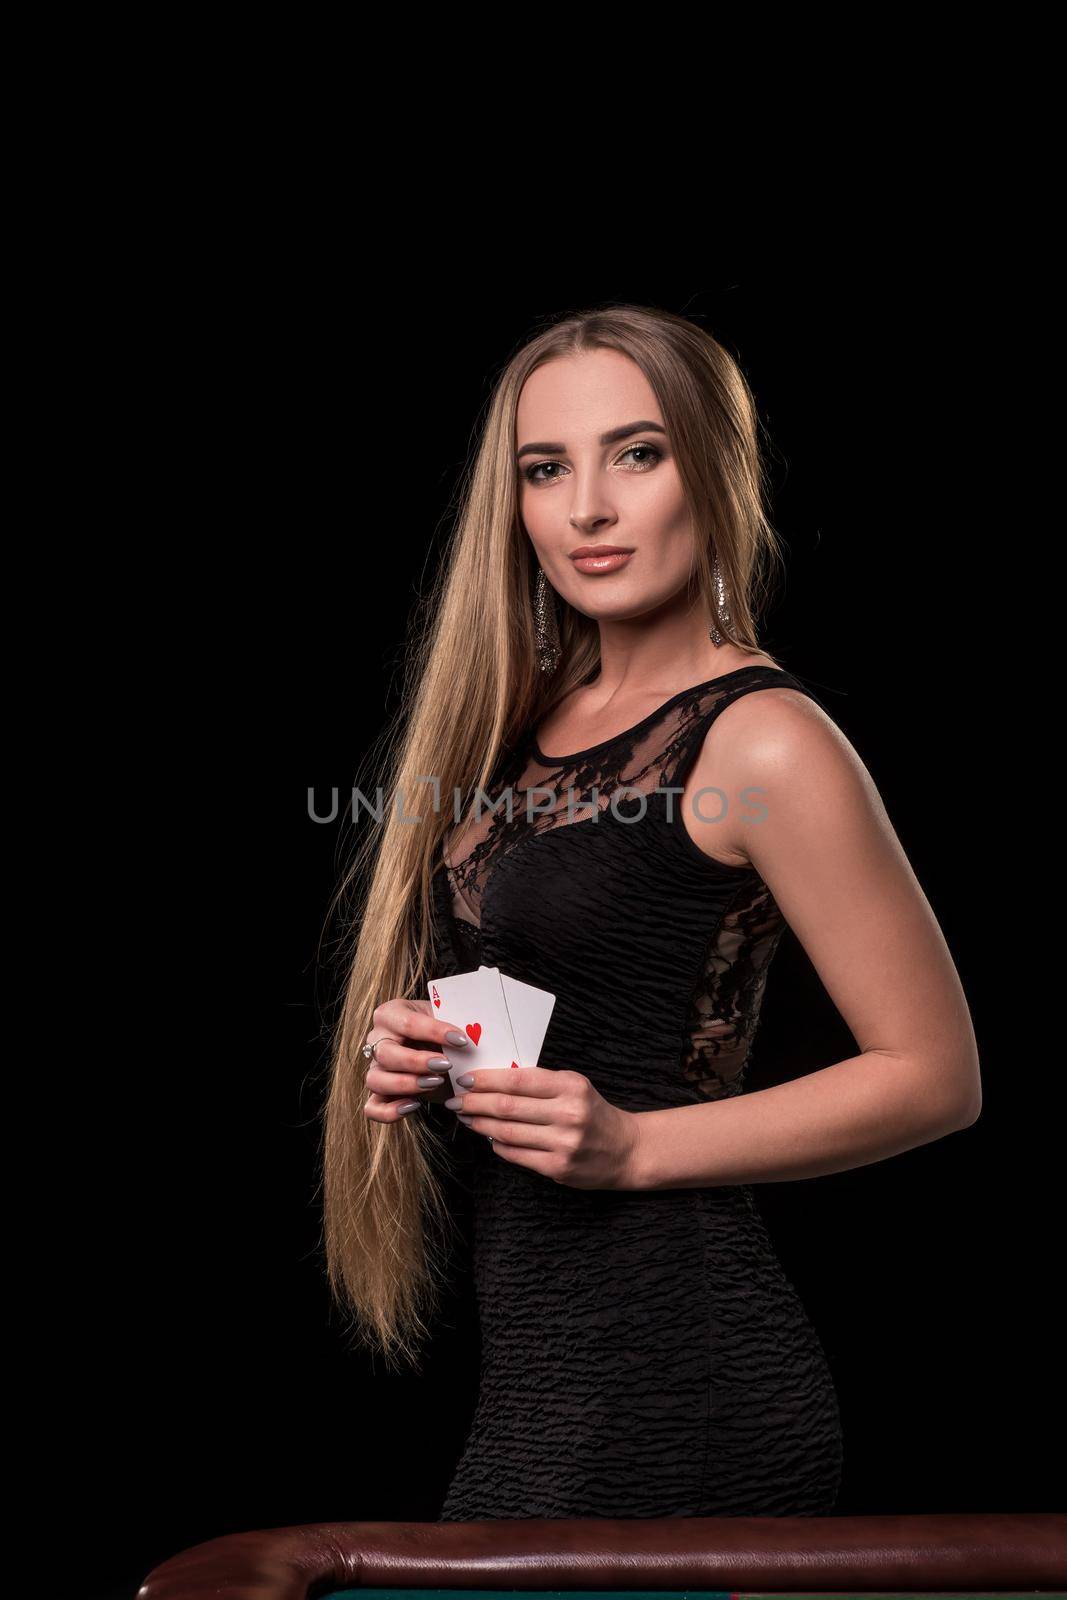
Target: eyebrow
{"type": "Point", "coordinates": [611, 437]}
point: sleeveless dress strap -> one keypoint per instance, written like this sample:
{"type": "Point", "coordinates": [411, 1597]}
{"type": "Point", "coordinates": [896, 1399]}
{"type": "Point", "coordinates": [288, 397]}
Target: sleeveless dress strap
{"type": "Point", "coordinates": [707, 701]}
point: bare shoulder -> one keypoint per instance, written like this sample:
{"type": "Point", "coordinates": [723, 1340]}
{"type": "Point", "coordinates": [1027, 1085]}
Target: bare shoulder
{"type": "Point", "coordinates": [772, 754]}
{"type": "Point", "coordinates": [773, 719]}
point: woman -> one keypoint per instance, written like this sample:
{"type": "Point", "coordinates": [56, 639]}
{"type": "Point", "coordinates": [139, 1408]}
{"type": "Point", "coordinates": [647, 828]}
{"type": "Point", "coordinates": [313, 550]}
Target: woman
{"type": "Point", "coordinates": [593, 652]}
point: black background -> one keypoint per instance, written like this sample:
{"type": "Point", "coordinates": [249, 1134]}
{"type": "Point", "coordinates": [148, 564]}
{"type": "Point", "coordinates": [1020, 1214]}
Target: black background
{"type": "Point", "coordinates": [295, 495]}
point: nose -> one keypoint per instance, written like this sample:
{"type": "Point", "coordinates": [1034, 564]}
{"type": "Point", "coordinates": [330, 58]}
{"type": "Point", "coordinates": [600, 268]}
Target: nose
{"type": "Point", "coordinates": [592, 521]}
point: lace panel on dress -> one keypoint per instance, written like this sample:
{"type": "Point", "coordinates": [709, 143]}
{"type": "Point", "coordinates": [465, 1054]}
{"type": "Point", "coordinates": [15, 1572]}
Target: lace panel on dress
{"type": "Point", "coordinates": [554, 794]}
{"type": "Point", "coordinates": [725, 1007]}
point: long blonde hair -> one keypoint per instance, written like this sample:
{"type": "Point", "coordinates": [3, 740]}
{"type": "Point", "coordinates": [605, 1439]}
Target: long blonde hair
{"type": "Point", "coordinates": [472, 685]}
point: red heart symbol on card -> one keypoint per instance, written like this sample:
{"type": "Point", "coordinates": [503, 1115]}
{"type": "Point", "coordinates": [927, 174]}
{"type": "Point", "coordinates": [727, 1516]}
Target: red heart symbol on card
{"type": "Point", "coordinates": [475, 1030]}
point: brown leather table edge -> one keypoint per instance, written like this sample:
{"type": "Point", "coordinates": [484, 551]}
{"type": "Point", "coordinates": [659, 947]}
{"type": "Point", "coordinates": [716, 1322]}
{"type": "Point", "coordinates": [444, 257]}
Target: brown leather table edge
{"type": "Point", "coordinates": [991, 1551]}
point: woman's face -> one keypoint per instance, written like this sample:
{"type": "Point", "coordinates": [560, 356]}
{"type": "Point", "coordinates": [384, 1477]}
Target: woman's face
{"type": "Point", "coordinates": [578, 488]}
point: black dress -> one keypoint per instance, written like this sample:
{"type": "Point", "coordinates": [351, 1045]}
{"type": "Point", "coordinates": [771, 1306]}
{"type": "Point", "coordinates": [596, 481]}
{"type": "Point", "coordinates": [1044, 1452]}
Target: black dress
{"type": "Point", "coordinates": [643, 1352]}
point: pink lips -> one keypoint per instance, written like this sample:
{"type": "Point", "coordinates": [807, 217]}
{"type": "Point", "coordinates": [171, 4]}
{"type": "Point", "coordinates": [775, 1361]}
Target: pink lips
{"type": "Point", "coordinates": [594, 559]}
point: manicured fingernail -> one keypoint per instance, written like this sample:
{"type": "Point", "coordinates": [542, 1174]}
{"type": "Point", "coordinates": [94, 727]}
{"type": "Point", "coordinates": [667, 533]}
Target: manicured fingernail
{"type": "Point", "coordinates": [455, 1104]}
{"type": "Point", "coordinates": [452, 1037]}
{"type": "Point", "coordinates": [409, 1105]}
{"type": "Point", "coordinates": [439, 1063]}
{"type": "Point", "coordinates": [428, 1083]}
{"type": "Point", "coordinates": [467, 1081]}
{"type": "Point", "coordinates": [462, 1118]}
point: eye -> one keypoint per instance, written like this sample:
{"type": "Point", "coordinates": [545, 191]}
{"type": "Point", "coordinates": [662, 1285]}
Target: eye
{"type": "Point", "coordinates": [528, 472]}
{"type": "Point", "coordinates": [648, 449]}
{"type": "Point", "coordinates": [638, 466]}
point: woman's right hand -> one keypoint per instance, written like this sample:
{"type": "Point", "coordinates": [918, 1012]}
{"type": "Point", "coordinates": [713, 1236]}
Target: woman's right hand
{"type": "Point", "coordinates": [399, 1062]}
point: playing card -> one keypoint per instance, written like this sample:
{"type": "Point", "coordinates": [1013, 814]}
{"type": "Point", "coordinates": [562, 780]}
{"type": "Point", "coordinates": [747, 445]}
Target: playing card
{"type": "Point", "coordinates": [529, 1010]}
{"type": "Point", "coordinates": [473, 1003]}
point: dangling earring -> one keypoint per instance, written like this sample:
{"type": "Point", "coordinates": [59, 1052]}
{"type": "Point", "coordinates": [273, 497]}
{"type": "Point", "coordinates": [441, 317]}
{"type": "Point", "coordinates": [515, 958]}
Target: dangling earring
{"type": "Point", "coordinates": [548, 645]}
{"type": "Point", "coordinates": [722, 614]}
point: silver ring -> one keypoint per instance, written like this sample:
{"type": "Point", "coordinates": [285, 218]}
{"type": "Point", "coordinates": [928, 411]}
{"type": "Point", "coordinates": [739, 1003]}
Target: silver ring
{"type": "Point", "coordinates": [369, 1049]}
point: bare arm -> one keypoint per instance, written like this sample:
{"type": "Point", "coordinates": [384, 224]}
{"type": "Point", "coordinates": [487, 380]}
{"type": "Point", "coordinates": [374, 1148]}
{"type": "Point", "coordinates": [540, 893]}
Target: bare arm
{"type": "Point", "coordinates": [837, 870]}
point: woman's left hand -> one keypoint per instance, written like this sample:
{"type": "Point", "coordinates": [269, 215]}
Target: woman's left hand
{"type": "Point", "coordinates": [553, 1122]}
